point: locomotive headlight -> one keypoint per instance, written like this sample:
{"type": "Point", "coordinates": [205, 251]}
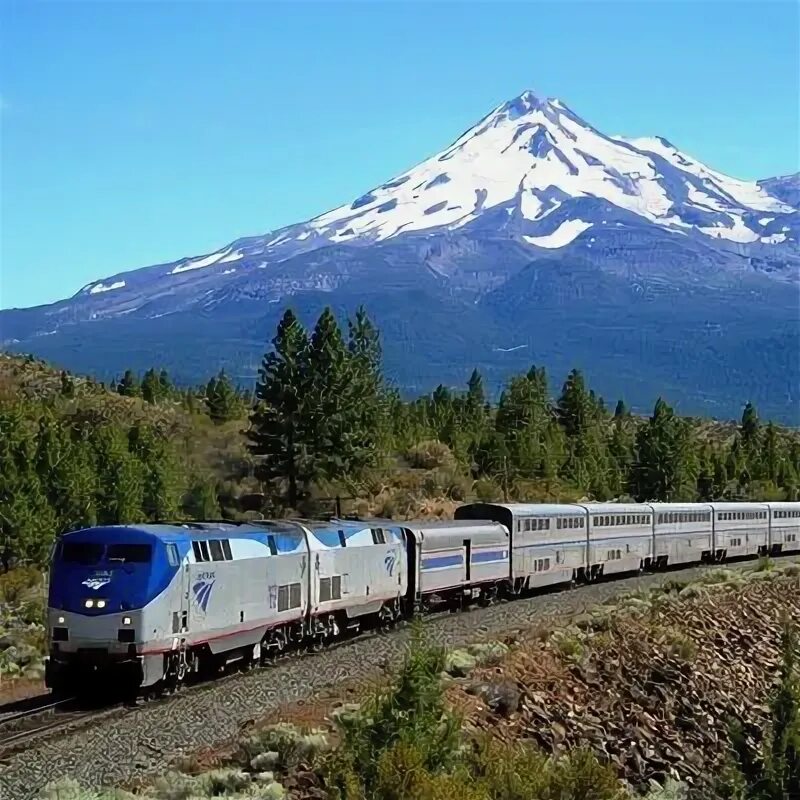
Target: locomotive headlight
{"type": "Point", "coordinates": [89, 604]}
{"type": "Point", "coordinates": [61, 620]}
{"type": "Point", "coordinates": [101, 603]}
{"type": "Point", "coordinates": [126, 620]}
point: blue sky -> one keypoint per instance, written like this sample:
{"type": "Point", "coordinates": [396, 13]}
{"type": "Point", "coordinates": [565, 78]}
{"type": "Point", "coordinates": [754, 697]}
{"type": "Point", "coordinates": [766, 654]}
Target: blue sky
{"type": "Point", "coordinates": [134, 133]}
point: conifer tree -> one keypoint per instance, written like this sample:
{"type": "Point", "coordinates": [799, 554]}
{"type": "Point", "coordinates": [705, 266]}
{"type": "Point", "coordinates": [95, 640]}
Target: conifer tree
{"type": "Point", "coordinates": [151, 388]}
{"type": "Point", "coordinates": [121, 488]}
{"type": "Point", "coordinates": [575, 406]}
{"type": "Point", "coordinates": [523, 417]}
{"type": "Point", "coordinates": [665, 468]}
{"type": "Point", "coordinates": [221, 399]}
{"type": "Point", "coordinates": [336, 403]}
{"type": "Point", "coordinates": [27, 523]}
{"type": "Point", "coordinates": [278, 427]}
{"type": "Point", "coordinates": [161, 489]}
{"type": "Point", "coordinates": [370, 399]}
{"type": "Point", "coordinates": [165, 388]}
{"type": "Point", "coordinates": [67, 385]}
{"type": "Point", "coordinates": [129, 385]}
{"type": "Point", "coordinates": [66, 471]}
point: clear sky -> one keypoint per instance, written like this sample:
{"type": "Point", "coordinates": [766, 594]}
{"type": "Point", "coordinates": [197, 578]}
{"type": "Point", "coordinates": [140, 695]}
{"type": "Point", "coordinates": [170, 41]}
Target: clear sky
{"type": "Point", "coordinates": [135, 133]}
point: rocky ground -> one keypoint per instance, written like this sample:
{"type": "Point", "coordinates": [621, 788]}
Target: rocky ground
{"type": "Point", "coordinates": [598, 690]}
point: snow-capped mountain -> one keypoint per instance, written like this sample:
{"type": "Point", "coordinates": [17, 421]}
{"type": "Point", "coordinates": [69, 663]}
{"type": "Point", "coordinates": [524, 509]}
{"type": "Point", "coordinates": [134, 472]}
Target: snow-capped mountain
{"type": "Point", "coordinates": [529, 187]}
{"type": "Point", "coordinates": [527, 158]}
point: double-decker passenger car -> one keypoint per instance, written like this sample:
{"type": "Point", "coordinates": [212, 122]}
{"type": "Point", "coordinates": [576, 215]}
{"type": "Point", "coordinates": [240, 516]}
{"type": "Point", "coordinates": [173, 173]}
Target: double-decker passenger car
{"type": "Point", "coordinates": [548, 541]}
{"type": "Point", "coordinates": [683, 533]}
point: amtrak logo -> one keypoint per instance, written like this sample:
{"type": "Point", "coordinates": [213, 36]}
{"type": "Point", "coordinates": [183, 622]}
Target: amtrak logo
{"type": "Point", "coordinates": [202, 593]}
{"type": "Point", "coordinates": [97, 581]}
{"type": "Point", "coordinates": [390, 561]}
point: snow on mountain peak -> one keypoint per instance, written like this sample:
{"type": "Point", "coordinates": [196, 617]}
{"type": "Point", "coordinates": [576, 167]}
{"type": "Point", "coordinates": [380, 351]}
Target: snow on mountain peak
{"type": "Point", "coordinates": [530, 155]}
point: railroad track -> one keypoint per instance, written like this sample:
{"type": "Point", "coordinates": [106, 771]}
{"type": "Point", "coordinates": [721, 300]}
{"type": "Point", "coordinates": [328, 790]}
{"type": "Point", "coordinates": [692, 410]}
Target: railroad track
{"type": "Point", "coordinates": [40, 717]}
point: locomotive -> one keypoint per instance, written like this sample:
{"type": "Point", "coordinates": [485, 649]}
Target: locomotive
{"type": "Point", "coordinates": [149, 606]}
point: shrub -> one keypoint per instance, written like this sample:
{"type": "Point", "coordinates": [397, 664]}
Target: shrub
{"type": "Point", "coordinates": [487, 491]}
{"type": "Point", "coordinates": [409, 718]}
{"type": "Point", "coordinates": [19, 584]}
{"type": "Point", "coordinates": [430, 455]}
{"type": "Point", "coordinates": [681, 646]}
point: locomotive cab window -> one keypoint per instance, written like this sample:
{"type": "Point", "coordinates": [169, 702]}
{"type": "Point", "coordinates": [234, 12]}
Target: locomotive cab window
{"type": "Point", "coordinates": [81, 552]}
{"type": "Point", "coordinates": [172, 555]}
{"type": "Point", "coordinates": [226, 548]}
{"type": "Point", "coordinates": [342, 540]}
{"type": "Point", "coordinates": [378, 536]}
{"type": "Point", "coordinates": [129, 553]}
{"type": "Point", "coordinates": [271, 544]}
{"type": "Point", "coordinates": [215, 546]}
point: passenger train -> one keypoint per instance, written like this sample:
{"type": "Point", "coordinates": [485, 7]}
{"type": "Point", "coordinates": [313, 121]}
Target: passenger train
{"type": "Point", "coordinates": [154, 604]}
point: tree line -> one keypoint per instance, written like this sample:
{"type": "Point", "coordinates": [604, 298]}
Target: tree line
{"type": "Point", "coordinates": [322, 414]}
{"type": "Point", "coordinates": [323, 410]}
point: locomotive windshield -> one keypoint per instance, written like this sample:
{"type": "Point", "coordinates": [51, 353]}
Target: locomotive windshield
{"type": "Point", "coordinates": [129, 553]}
{"type": "Point", "coordinates": [91, 553]}
{"type": "Point", "coordinates": [81, 552]}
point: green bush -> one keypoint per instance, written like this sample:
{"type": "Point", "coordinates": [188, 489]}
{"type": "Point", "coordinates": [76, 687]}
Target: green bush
{"type": "Point", "coordinates": [431, 454]}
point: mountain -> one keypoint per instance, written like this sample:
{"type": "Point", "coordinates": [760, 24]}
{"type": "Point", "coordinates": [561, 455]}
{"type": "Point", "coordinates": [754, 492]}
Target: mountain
{"type": "Point", "coordinates": [533, 237]}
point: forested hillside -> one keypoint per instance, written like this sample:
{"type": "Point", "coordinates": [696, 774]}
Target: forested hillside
{"type": "Point", "coordinates": [322, 423]}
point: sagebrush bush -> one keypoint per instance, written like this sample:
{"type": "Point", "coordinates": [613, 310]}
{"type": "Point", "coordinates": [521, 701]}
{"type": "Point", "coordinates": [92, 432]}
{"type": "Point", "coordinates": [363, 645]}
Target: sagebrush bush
{"type": "Point", "coordinates": [431, 454]}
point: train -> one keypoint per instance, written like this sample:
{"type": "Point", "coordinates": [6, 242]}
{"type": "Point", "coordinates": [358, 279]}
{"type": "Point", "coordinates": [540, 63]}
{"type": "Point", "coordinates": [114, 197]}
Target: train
{"type": "Point", "coordinates": [148, 607]}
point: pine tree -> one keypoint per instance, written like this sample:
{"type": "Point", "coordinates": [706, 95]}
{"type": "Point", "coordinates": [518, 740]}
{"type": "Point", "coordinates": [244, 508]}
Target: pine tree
{"type": "Point", "coordinates": [66, 472]}
{"type": "Point", "coordinates": [161, 488]}
{"type": "Point", "coordinates": [370, 400]}
{"type": "Point", "coordinates": [120, 495]}
{"type": "Point", "coordinates": [27, 523]}
{"type": "Point", "coordinates": [221, 399]}
{"type": "Point", "coordinates": [665, 468]}
{"type": "Point", "coordinates": [277, 424]}
{"type": "Point", "coordinates": [129, 385]}
{"type": "Point", "coordinates": [621, 410]}
{"type": "Point", "coordinates": [151, 388]}
{"type": "Point", "coordinates": [575, 406]}
{"type": "Point", "coordinates": [165, 387]}
{"type": "Point", "coordinates": [67, 385]}
{"type": "Point", "coordinates": [333, 413]}
{"type": "Point", "coordinates": [523, 418]}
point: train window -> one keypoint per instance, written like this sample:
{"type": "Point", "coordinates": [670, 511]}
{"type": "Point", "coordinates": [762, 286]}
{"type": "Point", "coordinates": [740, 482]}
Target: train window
{"type": "Point", "coordinates": [81, 552]}
{"type": "Point", "coordinates": [342, 540]}
{"type": "Point", "coordinates": [226, 548]}
{"type": "Point", "coordinates": [172, 555]}
{"type": "Point", "coordinates": [582, 522]}
{"type": "Point", "coordinates": [216, 550]}
{"type": "Point", "coordinates": [283, 597]}
{"type": "Point", "coordinates": [204, 550]}
{"type": "Point", "coordinates": [336, 587]}
{"type": "Point", "coordinates": [129, 553]}
{"type": "Point", "coordinates": [176, 623]}
{"type": "Point", "coordinates": [198, 556]}
{"type": "Point", "coordinates": [377, 536]}
{"type": "Point", "coordinates": [558, 523]}
{"type": "Point", "coordinates": [324, 590]}
{"type": "Point", "coordinates": [529, 525]}
{"type": "Point", "coordinates": [295, 599]}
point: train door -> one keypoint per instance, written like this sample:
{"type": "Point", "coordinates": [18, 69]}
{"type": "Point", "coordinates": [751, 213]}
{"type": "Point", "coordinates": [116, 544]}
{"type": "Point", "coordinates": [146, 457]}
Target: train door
{"type": "Point", "coordinates": [467, 560]}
